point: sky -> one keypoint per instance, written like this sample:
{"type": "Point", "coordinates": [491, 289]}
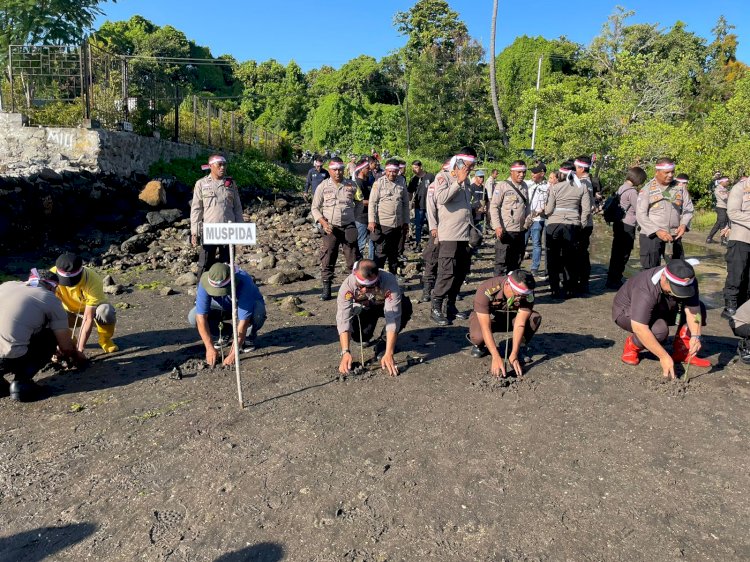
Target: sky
{"type": "Point", "coordinates": [332, 32]}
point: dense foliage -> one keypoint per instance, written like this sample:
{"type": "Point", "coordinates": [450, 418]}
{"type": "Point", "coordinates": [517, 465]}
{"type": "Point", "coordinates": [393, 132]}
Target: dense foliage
{"type": "Point", "coordinates": [636, 92]}
{"type": "Point", "coordinates": [249, 170]}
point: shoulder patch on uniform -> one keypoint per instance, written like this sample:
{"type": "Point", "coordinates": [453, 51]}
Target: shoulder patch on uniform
{"type": "Point", "coordinates": [348, 296]}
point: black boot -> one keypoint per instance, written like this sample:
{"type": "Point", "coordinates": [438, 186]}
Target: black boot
{"type": "Point", "coordinates": [325, 294]}
{"type": "Point", "coordinates": [426, 293]}
{"type": "Point", "coordinates": [710, 240]}
{"type": "Point", "coordinates": [437, 312]}
{"type": "Point", "coordinates": [730, 307]}
{"type": "Point", "coordinates": [452, 312]}
{"type": "Point", "coordinates": [24, 391]}
{"type": "Point", "coordinates": [743, 350]}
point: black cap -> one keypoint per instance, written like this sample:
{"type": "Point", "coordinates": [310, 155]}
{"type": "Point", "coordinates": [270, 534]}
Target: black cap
{"type": "Point", "coordinates": [538, 168]}
{"type": "Point", "coordinates": [69, 268]}
{"type": "Point", "coordinates": [681, 277]}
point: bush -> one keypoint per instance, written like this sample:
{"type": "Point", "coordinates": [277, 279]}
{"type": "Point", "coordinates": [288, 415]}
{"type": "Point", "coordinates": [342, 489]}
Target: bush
{"type": "Point", "coordinates": [248, 170]}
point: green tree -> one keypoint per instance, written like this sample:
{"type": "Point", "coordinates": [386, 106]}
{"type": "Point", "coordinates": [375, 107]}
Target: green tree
{"type": "Point", "coordinates": [430, 24]}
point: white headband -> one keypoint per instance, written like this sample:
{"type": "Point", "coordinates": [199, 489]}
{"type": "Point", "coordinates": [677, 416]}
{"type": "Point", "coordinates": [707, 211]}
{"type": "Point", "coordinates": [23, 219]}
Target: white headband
{"type": "Point", "coordinates": [666, 166]}
{"type": "Point", "coordinates": [336, 165]}
{"type": "Point", "coordinates": [217, 160]}
{"type": "Point", "coordinates": [62, 273]}
{"type": "Point", "coordinates": [362, 166]}
{"type": "Point", "coordinates": [582, 164]}
{"type": "Point", "coordinates": [468, 158]}
{"type": "Point", "coordinates": [516, 287]}
{"type": "Point", "coordinates": [518, 168]}
{"type": "Point", "coordinates": [392, 168]}
{"type": "Point", "coordinates": [678, 280]}
{"type": "Point", "coordinates": [218, 284]}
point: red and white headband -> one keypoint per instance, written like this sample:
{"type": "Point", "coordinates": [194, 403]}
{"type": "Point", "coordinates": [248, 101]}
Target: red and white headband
{"type": "Point", "coordinates": [516, 287]}
{"type": "Point", "coordinates": [361, 280]}
{"type": "Point", "coordinates": [582, 164]}
{"type": "Point", "coordinates": [217, 160]}
{"type": "Point", "coordinates": [402, 166]}
{"type": "Point", "coordinates": [362, 166]}
{"type": "Point", "coordinates": [335, 165]}
{"type": "Point", "coordinates": [518, 168]}
{"type": "Point", "coordinates": [391, 168]}
{"type": "Point", "coordinates": [69, 274]}
{"type": "Point", "coordinates": [219, 284]}
{"type": "Point", "coordinates": [678, 280]}
{"type": "Point", "coordinates": [665, 166]}
{"type": "Point", "coordinates": [565, 170]}
{"type": "Point", "coordinates": [723, 178]}
{"type": "Point", "coordinates": [682, 181]}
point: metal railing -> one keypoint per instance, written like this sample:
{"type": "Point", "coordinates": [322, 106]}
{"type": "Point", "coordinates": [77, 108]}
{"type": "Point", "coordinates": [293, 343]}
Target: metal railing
{"type": "Point", "coordinates": [73, 85]}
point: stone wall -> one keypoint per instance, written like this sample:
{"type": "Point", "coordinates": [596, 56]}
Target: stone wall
{"type": "Point", "coordinates": [27, 151]}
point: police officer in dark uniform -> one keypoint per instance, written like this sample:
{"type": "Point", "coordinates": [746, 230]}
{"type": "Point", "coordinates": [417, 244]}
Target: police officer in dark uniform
{"type": "Point", "coordinates": [315, 175]}
{"type": "Point", "coordinates": [334, 208]}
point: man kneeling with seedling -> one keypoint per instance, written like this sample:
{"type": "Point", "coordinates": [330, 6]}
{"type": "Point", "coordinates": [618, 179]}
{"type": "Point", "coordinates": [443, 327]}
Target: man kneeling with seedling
{"type": "Point", "coordinates": [365, 296]}
{"type": "Point", "coordinates": [651, 301]}
{"type": "Point", "coordinates": [502, 302]}
{"type": "Point", "coordinates": [213, 309]}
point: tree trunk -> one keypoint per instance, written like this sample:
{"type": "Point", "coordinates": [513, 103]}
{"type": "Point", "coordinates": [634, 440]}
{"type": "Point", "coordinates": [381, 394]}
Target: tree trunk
{"type": "Point", "coordinates": [493, 80]}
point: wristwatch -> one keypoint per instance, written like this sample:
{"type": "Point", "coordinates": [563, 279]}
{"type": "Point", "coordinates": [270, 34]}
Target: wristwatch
{"type": "Point", "coordinates": [345, 351]}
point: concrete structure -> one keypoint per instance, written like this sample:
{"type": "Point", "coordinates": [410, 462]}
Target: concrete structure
{"type": "Point", "coordinates": [29, 150]}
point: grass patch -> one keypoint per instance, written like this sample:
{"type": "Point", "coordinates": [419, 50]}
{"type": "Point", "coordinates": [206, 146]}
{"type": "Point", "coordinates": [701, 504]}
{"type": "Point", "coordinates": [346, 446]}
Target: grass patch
{"type": "Point", "coordinates": [150, 414]}
{"type": "Point", "coordinates": [703, 220]}
{"type": "Point", "coordinates": [76, 407]}
{"type": "Point", "coordinates": [153, 286]}
{"type": "Point", "coordinates": [305, 313]}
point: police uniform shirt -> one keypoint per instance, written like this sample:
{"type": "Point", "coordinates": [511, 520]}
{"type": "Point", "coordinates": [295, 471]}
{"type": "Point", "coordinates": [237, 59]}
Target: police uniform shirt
{"type": "Point", "coordinates": [336, 203]}
{"type": "Point", "coordinates": [385, 293]}
{"type": "Point", "coordinates": [738, 211]}
{"type": "Point", "coordinates": [508, 209]}
{"type": "Point", "coordinates": [567, 203]}
{"type": "Point", "coordinates": [453, 208]}
{"type": "Point", "coordinates": [586, 182]}
{"type": "Point", "coordinates": [663, 207]}
{"type": "Point", "coordinates": [389, 203]}
{"type": "Point", "coordinates": [432, 213]}
{"type": "Point", "coordinates": [722, 195]}
{"type": "Point", "coordinates": [214, 201]}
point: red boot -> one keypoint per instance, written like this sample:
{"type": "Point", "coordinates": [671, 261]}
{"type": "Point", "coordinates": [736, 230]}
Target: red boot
{"type": "Point", "coordinates": [630, 353]}
{"type": "Point", "coordinates": [681, 349]}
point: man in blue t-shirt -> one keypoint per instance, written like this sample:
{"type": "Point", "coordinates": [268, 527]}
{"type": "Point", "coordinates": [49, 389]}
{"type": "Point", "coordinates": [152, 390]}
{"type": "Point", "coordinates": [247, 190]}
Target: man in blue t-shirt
{"type": "Point", "coordinates": [213, 307]}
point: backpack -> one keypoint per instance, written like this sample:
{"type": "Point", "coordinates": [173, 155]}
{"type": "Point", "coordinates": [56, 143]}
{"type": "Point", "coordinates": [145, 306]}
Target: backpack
{"type": "Point", "coordinates": [612, 211]}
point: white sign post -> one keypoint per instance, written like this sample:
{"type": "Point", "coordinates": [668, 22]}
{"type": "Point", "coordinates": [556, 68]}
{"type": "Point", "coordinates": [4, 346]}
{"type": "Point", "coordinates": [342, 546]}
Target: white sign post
{"type": "Point", "coordinates": [232, 233]}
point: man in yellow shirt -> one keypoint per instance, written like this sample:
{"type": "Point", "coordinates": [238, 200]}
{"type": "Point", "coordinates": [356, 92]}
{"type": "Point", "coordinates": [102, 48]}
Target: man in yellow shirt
{"type": "Point", "coordinates": [82, 293]}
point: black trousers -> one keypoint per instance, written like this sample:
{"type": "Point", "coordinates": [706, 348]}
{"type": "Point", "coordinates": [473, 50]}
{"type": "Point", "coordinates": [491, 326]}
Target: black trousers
{"type": "Point", "coordinates": [368, 319]}
{"type": "Point", "coordinates": [453, 265]}
{"type": "Point", "coordinates": [652, 250]}
{"type": "Point", "coordinates": [211, 254]}
{"type": "Point", "coordinates": [561, 260]}
{"type": "Point", "coordinates": [583, 266]}
{"type": "Point", "coordinates": [345, 236]}
{"type": "Point", "coordinates": [738, 263]}
{"type": "Point", "coordinates": [430, 257]}
{"type": "Point", "coordinates": [387, 246]}
{"type": "Point", "coordinates": [509, 249]}
{"type": "Point", "coordinates": [623, 240]}
{"type": "Point", "coordinates": [42, 346]}
{"type": "Point", "coordinates": [661, 319]}
{"type": "Point", "coordinates": [722, 220]}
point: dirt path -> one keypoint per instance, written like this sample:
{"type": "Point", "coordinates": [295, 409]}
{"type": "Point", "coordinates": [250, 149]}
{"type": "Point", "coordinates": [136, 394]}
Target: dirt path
{"type": "Point", "coordinates": [584, 459]}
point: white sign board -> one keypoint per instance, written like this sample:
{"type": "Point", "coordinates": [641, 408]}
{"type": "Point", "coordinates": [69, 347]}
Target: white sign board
{"type": "Point", "coordinates": [242, 233]}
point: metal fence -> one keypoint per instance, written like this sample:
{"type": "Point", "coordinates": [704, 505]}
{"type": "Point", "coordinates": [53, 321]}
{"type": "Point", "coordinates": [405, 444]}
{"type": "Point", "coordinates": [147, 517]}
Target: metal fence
{"type": "Point", "coordinates": [69, 86]}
